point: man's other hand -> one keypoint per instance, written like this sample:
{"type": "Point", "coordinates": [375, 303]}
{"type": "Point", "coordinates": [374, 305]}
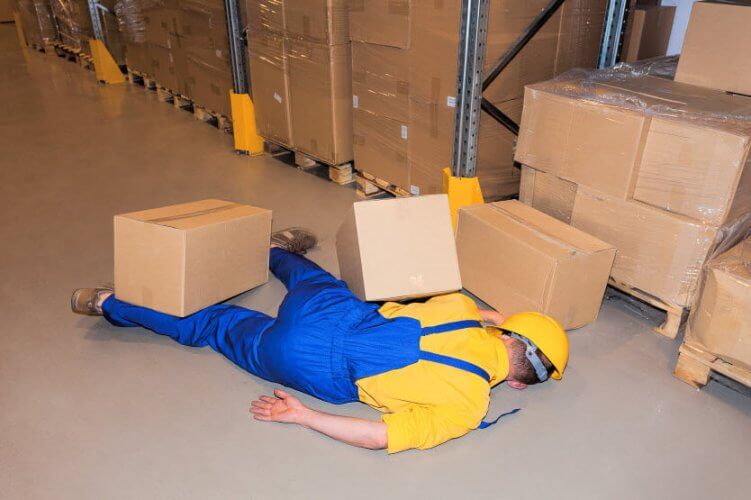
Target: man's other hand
{"type": "Point", "coordinates": [283, 408]}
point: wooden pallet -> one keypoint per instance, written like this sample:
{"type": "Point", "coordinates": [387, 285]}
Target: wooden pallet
{"type": "Point", "coordinates": [695, 366]}
{"type": "Point", "coordinates": [142, 79]}
{"type": "Point", "coordinates": [177, 100]}
{"type": "Point", "coordinates": [37, 47]}
{"type": "Point", "coordinates": [220, 121]}
{"type": "Point", "coordinates": [674, 314]}
{"type": "Point", "coordinates": [74, 54]}
{"type": "Point", "coordinates": [370, 186]}
{"type": "Point", "coordinates": [342, 174]}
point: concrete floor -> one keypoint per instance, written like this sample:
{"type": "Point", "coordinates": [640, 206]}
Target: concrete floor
{"type": "Point", "coordinates": [91, 411]}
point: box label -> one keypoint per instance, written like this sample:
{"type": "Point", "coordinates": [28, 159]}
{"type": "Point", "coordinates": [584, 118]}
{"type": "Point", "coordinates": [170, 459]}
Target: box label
{"type": "Point", "coordinates": [404, 132]}
{"type": "Point", "coordinates": [355, 101]}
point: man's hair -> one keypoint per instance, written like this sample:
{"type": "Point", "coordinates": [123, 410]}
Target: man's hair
{"type": "Point", "coordinates": [524, 372]}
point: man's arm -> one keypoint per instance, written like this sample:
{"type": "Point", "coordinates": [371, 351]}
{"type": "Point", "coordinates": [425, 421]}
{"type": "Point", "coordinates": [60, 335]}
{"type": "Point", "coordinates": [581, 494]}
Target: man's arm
{"type": "Point", "coordinates": [490, 316]}
{"type": "Point", "coordinates": [288, 409]}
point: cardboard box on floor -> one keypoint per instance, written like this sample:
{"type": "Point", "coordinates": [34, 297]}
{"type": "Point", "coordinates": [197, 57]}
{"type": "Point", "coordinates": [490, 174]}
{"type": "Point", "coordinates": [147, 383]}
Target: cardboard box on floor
{"type": "Point", "coordinates": [182, 258]}
{"type": "Point", "coordinates": [649, 33]}
{"type": "Point", "coordinates": [398, 248]}
{"type": "Point", "coordinates": [715, 50]}
{"type": "Point", "coordinates": [518, 259]}
{"type": "Point", "coordinates": [721, 319]}
{"type": "Point", "coordinates": [663, 151]}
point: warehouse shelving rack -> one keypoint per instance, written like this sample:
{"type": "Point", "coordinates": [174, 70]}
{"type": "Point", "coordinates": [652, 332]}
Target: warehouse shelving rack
{"type": "Point", "coordinates": [460, 180]}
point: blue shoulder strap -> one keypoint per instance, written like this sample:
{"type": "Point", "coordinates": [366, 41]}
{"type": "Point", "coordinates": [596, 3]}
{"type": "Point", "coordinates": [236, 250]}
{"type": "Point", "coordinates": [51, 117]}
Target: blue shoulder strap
{"type": "Point", "coordinates": [457, 363]}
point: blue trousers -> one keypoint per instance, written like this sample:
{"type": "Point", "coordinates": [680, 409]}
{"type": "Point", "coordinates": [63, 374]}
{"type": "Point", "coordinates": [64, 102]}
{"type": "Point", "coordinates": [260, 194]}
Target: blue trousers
{"type": "Point", "coordinates": [323, 340]}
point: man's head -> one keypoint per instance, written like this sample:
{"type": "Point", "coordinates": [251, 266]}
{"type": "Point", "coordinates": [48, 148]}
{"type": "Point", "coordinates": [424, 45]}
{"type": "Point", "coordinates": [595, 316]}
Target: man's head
{"type": "Point", "coordinates": [537, 346]}
{"type": "Point", "coordinates": [521, 371]}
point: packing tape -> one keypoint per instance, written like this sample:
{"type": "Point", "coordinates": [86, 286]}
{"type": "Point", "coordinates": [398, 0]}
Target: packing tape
{"type": "Point", "coordinates": [189, 215]}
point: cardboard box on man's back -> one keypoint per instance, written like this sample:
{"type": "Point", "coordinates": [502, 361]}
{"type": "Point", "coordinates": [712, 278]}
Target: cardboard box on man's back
{"type": "Point", "coordinates": [182, 258]}
{"type": "Point", "coordinates": [399, 248]}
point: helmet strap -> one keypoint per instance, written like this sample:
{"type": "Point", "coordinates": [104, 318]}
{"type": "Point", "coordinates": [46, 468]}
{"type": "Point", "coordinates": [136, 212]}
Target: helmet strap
{"type": "Point", "coordinates": [531, 354]}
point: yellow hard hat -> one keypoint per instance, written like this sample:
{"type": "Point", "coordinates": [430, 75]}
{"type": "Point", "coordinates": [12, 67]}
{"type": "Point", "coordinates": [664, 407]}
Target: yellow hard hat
{"type": "Point", "coordinates": [546, 333]}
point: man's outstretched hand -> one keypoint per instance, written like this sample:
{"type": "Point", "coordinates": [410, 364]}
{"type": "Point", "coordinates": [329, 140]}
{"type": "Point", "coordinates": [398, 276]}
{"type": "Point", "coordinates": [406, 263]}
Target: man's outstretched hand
{"type": "Point", "coordinates": [283, 408]}
{"type": "Point", "coordinates": [289, 410]}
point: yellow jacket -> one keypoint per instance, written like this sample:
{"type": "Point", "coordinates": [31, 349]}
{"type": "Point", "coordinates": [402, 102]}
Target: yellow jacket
{"type": "Point", "coordinates": [427, 403]}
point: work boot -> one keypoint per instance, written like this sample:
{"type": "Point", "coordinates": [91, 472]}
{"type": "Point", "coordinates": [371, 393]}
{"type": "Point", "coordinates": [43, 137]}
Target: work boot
{"type": "Point", "coordinates": [87, 300]}
{"type": "Point", "coordinates": [294, 239]}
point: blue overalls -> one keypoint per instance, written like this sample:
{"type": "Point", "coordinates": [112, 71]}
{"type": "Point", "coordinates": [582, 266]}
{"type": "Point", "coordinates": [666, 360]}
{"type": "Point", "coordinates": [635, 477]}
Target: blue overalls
{"type": "Point", "coordinates": [322, 341]}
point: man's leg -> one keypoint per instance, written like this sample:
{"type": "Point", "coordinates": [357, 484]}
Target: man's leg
{"type": "Point", "coordinates": [230, 330]}
{"type": "Point", "coordinates": [293, 270]}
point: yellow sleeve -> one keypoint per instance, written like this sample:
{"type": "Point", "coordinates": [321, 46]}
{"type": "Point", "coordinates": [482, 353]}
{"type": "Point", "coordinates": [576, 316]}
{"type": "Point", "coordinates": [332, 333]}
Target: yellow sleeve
{"type": "Point", "coordinates": [441, 309]}
{"type": "Point", "coordinates": [425, 427]}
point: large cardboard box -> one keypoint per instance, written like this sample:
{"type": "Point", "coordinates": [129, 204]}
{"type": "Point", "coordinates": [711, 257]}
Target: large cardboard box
{"type": "Point", "coordinates": [320, 82]}
{"type": "Point", "coordinates": [649, 33]}
{"type": "Point", "coordinates": [162, 66]}
{"type": "Point", "coordinates": [398, 248]}
{"type": "Point", "coordinates": [518, 259]}
{"type": "Point", "coordinates": [677, 147]}
{"type": "Point", "coordinates": [721, 318]}
{"type": "Point", "coordinates": [136, 57]}
{"type": "Point", "coordinates": [182, 258]}
{"type": "Point", "coordinates": [380, 22]}
{"type": "Point", "coordinates": [159, 20]}
{"type": "Point", "coordinates": [716, 47]}
{"type": "Point", "coordinates": [317, 21]}
{"type": "Point", "coordinates": [270, 84]}
{"type": "Point", "coordinates": [659, 253]}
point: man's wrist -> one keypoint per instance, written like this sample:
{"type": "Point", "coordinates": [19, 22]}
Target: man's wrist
{"type": "Point", "coordinates": [304, 417]}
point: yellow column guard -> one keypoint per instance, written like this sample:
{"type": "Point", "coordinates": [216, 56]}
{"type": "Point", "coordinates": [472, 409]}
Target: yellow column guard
{"type": "Point", "coordinates": [244, 129]}
{"type": "Point", "coordinates": [105, 67]}
{"type": "Point", "coordinates": [462, 191]}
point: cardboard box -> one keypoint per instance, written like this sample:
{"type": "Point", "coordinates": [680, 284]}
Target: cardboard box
{"type": "Point", "coordinates": [208, 86]}
{"type": "Point", "coordinates": [547, 193]}
{"type": "Point", "coordinates": [721, 319]}
{"type": "Point", "coordinates": [716, 47]}
{"type": "Point", "coordinates": [136, 57]}
{"type": "Point", "coordinates": [658, 253]}
{"type": "Point", "coordinates": [159, 21]}
{"type": "Point", "coordinates": [518, 259]}
{"type": "Point", "coordinates": [381, 146]}
{"type": "Point", "coordinates": [399, 248]}
{"type": "Point", "coordinates": [162, 66]}
{"type": "Point", "coordinates": [581, 140]}
{"type": "Point", "coordinates": [681, 148]}
{"type": "Point", "coordinates": [203, 27]}
{"type": "Point", "coordinates": [380, 80]}
{"type": "Point", "coordinates": [317, 21]}
{"type": "Point", "coordinates": [270, 84]}
{"type": "Point", "coordinates": [649, 33]}
{"type": "Point", "coordinates": [265, 15]}
{"type": "Point", "coordinates": [182, 258]}
{"type": "Point", "coordinates": [382, 22]}
{"type": "Point", "coordinates": [320, 81]}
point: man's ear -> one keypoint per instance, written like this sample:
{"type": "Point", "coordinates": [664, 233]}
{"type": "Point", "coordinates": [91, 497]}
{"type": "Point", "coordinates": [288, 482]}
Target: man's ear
{"type": "Point", "coordinates": [519, 386]}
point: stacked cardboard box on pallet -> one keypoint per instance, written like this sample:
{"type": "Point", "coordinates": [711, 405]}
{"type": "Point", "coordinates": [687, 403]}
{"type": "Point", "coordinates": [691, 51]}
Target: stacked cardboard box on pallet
{"type": "Point", "coordinates": [657, 168]}
{"type": "Point", "coordinates": [404, 83]}
{"type": "Point", "coordinates": [300, 70]}
{"type": "Point", "coordinates": [37, 22]}
{"type": "Point", "coordinates": [73, 23]}
{"type": "Point", "coordinates": [183, 45]}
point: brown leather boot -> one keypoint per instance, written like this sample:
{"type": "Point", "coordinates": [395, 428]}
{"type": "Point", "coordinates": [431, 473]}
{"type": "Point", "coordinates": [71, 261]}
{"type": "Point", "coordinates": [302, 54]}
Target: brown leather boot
{"type": "Point", "coordinates": [86, 300]}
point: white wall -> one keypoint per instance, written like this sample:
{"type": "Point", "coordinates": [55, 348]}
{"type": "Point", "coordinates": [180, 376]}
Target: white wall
{"type": "Point", "coordinates": [682, 13]}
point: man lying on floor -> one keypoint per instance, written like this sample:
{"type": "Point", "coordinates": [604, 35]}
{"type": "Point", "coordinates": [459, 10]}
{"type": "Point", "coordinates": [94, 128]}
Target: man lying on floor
{"type": "Point", "coordinates": [428, 366]}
